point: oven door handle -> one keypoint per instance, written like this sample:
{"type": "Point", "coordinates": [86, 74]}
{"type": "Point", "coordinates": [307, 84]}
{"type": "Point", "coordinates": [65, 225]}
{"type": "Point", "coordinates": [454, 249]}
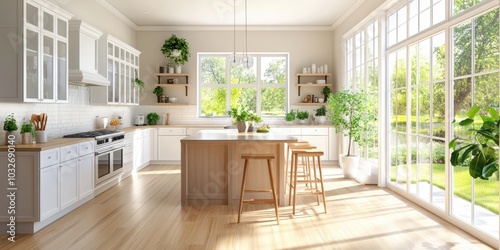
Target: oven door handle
{"type": "Point", "coordinates": [108, 150]}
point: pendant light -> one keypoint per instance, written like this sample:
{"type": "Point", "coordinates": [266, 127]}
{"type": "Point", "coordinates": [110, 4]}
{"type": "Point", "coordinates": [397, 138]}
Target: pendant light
{"type": "Point", "coordinates": [234, 59]}
{"type": "Point", "coordinates": [247, 61]}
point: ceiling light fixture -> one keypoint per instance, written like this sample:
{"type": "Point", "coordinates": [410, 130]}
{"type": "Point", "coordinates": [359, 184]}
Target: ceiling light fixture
{"type": "Point", "coordinates": [240, 59]}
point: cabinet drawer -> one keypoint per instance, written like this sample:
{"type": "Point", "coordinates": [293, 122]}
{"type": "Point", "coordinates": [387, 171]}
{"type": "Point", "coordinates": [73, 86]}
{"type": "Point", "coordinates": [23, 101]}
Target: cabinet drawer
{"type": "Point", "coordinates": [314, 131]}
{"type": "Point", "coordinates": [172, 131]}
{"type": "Point", "coordinates": [86, 148]}
{"type": "Point", "coordinates": [69, 152]}
{"type": "Point", "coordinates": [291, 131]}
{"type": "Point", "coordinates": [49, 157]}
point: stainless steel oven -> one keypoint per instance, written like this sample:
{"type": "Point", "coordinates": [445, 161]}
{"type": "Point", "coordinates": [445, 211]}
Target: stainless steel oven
{"type": "Point", "coordinates": [108, 162]}
{"type": "Point", "coordinates": [108, 152]}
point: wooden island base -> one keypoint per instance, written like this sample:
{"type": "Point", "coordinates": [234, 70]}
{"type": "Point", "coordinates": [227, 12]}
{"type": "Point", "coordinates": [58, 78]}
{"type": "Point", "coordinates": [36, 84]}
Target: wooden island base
{"type": "Point", "coordinates": [212, 168]}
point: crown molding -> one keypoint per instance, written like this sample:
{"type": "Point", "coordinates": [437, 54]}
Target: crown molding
{"type": "Point", "coordinates": [117, 13]}
{"type": "Point", "coordinates": [346, 14]}
{"type": "Point", "coordinates": [230, 28]}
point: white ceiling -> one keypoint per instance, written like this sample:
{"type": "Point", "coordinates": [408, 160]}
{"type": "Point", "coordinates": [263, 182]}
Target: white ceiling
{"type": "Point", "coordinates": [318, 13]}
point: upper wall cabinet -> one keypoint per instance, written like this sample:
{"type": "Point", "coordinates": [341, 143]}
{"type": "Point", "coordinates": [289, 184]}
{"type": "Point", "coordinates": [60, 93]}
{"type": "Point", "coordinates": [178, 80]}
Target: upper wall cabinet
{"type": "Point", "coordinates": [34, 54]}
{"type": "Point", "coordinates": [120, 63]}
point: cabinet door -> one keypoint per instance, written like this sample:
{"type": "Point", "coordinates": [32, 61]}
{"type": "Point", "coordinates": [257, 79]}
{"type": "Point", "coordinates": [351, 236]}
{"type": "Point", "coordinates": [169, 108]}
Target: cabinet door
{"type": "Point", "coordinates": [138, 158]}
{"type": "Point", "coordinates": [85, 176]}
{"type": "Point", "coordinates": [146, 148]}
{"type": "Point", "coordinates": [49, 191]}
{"type": "Point", "coordinates": [32, 56]}
{"type": "Point", "coordinates": [69, 183]}
{"type": "Point", "coordinates": [27, 181]}
{"type": "Point", "coordinates": [169, 147]}
{"type": "Point", "coordinates": [321, 143]}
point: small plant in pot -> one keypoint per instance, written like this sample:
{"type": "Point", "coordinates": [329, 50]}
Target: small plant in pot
{"type": "Point", "coordinates": [303, 116]}
{"type": "Point", "coordinates": [27, 132]}
{"type": "Point", "coordinates": [321, 115]}
{"type": "Point", "coordinates": [290, 117]}
{"type": "Point", "coordinates": [176, 50]}
{"type": "Point", "coordinates": [253, 118]}
{"type": "Point", "coordinates": [240, 116]}
{"type": "Point", "coordinates": [351, 113]}
{"type": "Point", "coordinates": [478, 152]}
{"type": "Point", "coordinates": [326, 91]}
{"type": "Point", "coordinates": [153, 118]}
{"type": "Point", "coordinates": [158, 91]}
{"type": "Point", "coordinates": [9, 126]}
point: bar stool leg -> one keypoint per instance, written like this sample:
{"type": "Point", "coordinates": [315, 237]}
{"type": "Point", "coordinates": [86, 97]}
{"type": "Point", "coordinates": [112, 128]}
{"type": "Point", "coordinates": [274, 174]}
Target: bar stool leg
{"type": "Point", "coordinates": [291, 179]}
{"type": "Point", "coordinates": [322, 185]}
{"type": "Point", "coordinates": [295, 183]}
{"type": "Point", "coordinates": [242, 195]}
{"type": "Point", "coordinates": [270, 168]}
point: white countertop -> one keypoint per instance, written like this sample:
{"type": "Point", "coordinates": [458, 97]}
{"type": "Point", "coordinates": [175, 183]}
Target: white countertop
{"type": "Point", "coordinates": [232, 135]}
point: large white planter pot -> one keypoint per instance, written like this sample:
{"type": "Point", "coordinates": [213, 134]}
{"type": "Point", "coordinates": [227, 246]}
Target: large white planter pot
{"type": "Point", "coordinates": [178, 69]}
{"type": "Point", "coordinates": [350, 166]}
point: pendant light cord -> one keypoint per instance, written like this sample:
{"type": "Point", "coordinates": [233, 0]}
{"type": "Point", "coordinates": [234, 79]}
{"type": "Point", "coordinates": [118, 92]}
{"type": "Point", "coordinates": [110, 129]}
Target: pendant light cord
{"type": "Point", "coordinates": [234, 31]}
{"type": "Point", "coordinates": [246, 30]}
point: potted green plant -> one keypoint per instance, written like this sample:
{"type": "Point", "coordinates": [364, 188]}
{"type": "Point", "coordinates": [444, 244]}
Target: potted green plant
{"type": "Point", "coordinates": [253, 118]}
{"type": "Point", "coordinates": [139, 84]}
{"type": "Point", "coordinates": [321, 115]}
{"type": "Point", "coordinates": [303, 116]}
{"type": "Point", "coordinates": [351, 113]}
{"type": "Point", "coordinates": [240, 116]}
{"type": "Point", "coordinates": [479, 152]}
{"type": "Point", "coordinates": [158, 91]}
{"type": "Point", "coordinates": [176, 50]}
{"type": "Point", "coordinates": [153, 118]}
{"type": "Point", "coordinates": [27, 132]}
{"type": "Point", "coordinates": [9, 126]}
{"type": "Point", "coordinates": [290, 117]}
{"type": "Point", "coordinates": [326, 91]}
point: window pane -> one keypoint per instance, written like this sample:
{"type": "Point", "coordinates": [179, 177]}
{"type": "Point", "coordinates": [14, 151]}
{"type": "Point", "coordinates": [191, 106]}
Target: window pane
{"type": "Point", "coordinates": [273, 101]}
{"type": "Point", "coordinates": [424, 166]}
{"type": "Point", "coordinates": [438, 174]}
{"type": "Point", "coordinates": [273, 70]}
{"type": "Point", "coordinates": [246, 97]}
{"type": "Point", "coordinates": [438, 110]}
{"type": "Point", "coordinates": [462, 38]}
{"type": "Point", "coordinates": [461, 5]}
{"type": "Point", "coordinates": [438, 12]}
{"type": "Point", "coordinates": [213, 70]}
{"type": "Point", "coordinates": [486, 42]}
{"type": "Point", "coordinates": [213, 101]}
{"type": "Point", "coordinates": [241, 75]}
{"type": "Point", "coordinates": [438, 59]}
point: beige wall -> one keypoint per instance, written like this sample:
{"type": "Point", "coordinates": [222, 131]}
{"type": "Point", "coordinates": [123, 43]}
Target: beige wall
{"type": "Point", "coordinates": [354, 19]}
{"type": "Point", "coordinates": [304, 47]}
{"type": "Point", "coordinates": [96, 15]}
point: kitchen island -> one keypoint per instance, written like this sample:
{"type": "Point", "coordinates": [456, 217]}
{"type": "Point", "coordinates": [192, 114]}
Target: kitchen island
{"type": "Point", "coordinates": [212, 168]}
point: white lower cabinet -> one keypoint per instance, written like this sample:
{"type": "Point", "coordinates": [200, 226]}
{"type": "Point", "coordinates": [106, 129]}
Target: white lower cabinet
{"type": "Point", "coordinates": [169, 143]}
{"type": "Point", "coordinates": [69, 183]}
{"type": "Point", "coordinates": [49, 191]}
{"type": "Point", "coordinates": [141, 148]}
{"type": "Point", "coordinates": [319, 138]}
{"type": "Point", "coordinates": [85, 176]}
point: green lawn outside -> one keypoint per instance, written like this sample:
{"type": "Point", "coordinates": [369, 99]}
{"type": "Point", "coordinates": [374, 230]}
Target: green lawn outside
{"type": "Point", "coordinates": [487, 194]}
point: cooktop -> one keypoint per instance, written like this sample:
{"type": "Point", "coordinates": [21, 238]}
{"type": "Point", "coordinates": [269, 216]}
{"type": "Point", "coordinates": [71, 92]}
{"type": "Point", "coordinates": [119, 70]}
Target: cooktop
{"type": "Point", "coordinates": [91, 134]}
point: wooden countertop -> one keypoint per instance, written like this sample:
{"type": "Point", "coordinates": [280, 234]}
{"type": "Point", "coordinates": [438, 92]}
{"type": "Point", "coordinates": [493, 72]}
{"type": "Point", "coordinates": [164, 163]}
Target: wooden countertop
{"type": "Point", "coordinates": [232, 135]}
{"type": "Point", "coordinates": [54, 143]}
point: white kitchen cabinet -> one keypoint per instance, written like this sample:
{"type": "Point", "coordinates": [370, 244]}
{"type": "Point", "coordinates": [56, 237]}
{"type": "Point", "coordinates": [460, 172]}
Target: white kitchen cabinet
{"type": "Point", "coordinates": [35, 54]}
{"type": "Point", "coordinates": [69, 183]}
{"type": "Point", "coordinates": [319, 138]}
{"type": "Point", "coordinates": [142, 148]}
{"type": "Point", "coordinates": [128, 153]}
{"type": "Point", "coordinates": [169, 143]}
{"type": "Point", "coordinates": [120, 63]}
{"type": "Point", "coordinates": [85, 176]}
{"type": "Point", "coordinates": [49, 191]}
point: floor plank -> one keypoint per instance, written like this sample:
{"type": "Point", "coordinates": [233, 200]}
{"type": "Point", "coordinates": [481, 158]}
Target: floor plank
{"type": "Point", "coordinates": [144, 212]}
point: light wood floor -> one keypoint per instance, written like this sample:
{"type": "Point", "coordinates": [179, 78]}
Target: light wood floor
{"type": "Point", "coordinates": [144, 212]}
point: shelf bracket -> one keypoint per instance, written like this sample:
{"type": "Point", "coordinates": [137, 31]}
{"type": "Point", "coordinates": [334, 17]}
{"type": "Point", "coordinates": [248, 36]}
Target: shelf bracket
{"type": "Point", "coordinates": [299, 84]}
{"type": "Point", "coordinates": [187, 82]}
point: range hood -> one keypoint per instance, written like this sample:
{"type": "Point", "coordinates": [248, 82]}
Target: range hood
{"type": "Point", "coordinates": [84, 54]}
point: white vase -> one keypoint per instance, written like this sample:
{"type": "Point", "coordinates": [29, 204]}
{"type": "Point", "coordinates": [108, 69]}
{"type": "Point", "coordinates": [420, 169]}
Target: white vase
{"type": "Point", "coordinates": [321, 119]}
{"type": "Point", "coordinates": [350, 165]}
{"type": "Point", "coordinates": [170, 70]}
{"type": "Point", "coordinates": [178, 69]}
{"type": "Point", "coordinates": [302, 121]}
{"type": "Point", "coordinates": [313, 68]}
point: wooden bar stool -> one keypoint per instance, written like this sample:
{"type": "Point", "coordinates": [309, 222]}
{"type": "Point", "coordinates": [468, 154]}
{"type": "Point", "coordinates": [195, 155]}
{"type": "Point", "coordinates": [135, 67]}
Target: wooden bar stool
{"type": "Point", "coordinates": [305, 169]}
{"type": "Point", "coordinates": [313, 155]}
{"type": "Point", "coordinates": [269, 158]}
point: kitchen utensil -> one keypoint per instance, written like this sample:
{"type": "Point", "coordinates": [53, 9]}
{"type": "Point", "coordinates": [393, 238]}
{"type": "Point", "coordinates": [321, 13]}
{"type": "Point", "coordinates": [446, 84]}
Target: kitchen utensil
{"type": "Point", "coordinates": [43, 121]}
{"type": "Point", "coordinates": [36, 121]}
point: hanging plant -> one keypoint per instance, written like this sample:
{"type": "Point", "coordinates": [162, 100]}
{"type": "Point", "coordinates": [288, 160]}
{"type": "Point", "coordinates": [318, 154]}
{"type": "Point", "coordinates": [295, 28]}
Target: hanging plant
{"type": "Point", "coordinates": [176, 49]}
{"type": "Point", "coordinates": [139, 84]}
